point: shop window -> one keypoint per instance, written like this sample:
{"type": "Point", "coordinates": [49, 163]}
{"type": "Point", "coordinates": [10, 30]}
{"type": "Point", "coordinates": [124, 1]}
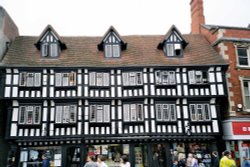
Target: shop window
{"type": "Point", "coordinates": [99, 113]}
{"type": "Point", "coordinates": [165, 77]}
{"type": "Point", "coordinates": [30, 79]}
{"type": "Point", "coordinates": [159, 155]}
{"type": "Point", "coordinates": [65, 114]}
{"type": "Point", "coordinates": [111, 152]}
{"type": "Point", "coordinates": [133, 112]}
{"type": "Point", "coordinates": [165, 112]}
{"type": "Point", "coordinates": [98, 79]}
{"type": "Point", "coordinates": [29, 115]}
{"type": "Point", "coordinates": [65, 79]}
{"type": "Point", "coordinates": [132, 78]}
{"type": "Point", "coordinates": [34, 156]}
{"type": "Point", "coordinates": [200, 112]}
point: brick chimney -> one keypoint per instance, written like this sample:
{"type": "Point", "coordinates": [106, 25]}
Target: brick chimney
{"type": "Point", "coordinates": [197, 16]}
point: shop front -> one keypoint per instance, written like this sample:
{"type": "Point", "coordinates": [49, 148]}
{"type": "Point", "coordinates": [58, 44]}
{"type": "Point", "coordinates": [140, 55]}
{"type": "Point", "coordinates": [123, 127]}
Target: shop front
{"type": "Point", "coordinates": [237, 138]}
{"type": "Point", "coordinates": [156, 153]}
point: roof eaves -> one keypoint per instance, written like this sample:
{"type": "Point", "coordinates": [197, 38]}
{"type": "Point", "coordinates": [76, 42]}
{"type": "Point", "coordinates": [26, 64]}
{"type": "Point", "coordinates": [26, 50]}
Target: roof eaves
{"type": "Point", "coordinates": [228, 39]}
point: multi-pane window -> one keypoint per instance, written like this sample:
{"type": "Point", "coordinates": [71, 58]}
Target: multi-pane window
{"type": "Point", "coordinates": [132, 78]}
{"type": "Point", "coordinates": [133, 112]}
{"type": "Point", "coordinates": [30, 79]}
{"type": "Point", "coordinates": [99, 113]}
{"type": "Point", "coordinates": [29, 115]}
{"type": "Point", "coordinates": [112, 46]}
{"type": "Point", "coordinates": [246, 94]}
{"type": "Point", "coordinates": [165, 77]}
{"type": "Point", "coordinates": [243, 56]}
{"type": "Point", "coordinates": [50, 46]}
{"type": "Point", "coordinates": [65, 79]}
{"type": "Point", "coordinates": [65, 114]}
{"type": "Point", "coordinates": [200, 112]}
{"type": "Point", "coordinates": [173, 45]}
{"type": "Point", "coordinates": [197, 77]}
{"type": "Point", "coordinates": [98, 79]}
{"type": "Point", "coordinates": [165, 112]}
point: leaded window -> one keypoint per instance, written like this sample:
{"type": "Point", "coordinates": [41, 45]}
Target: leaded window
{"type": "Point", "coordinates": [132, 78]}
{"type": "Point", "coordinates": [30, 79]}
{"type": "Point", "coordinates": [133, 112]}
{"type": "Point", "coordinates": [29, 115]}
{"type": "Point", "coordinates": [112, 46]}
{"type": "Point", "coordinates": [99, 113]}
{"type": "Point", "coordinates": [200, 112]}
{"type": "Point", "coordinates": [65, 79]}
{"type": "Point", "coordinates": [99, 79]}
{"type": "Point", "coordinates": [173, 45]}
{"type": "Point", "coordinates": [197, 77]}
{"type": "Point", "coordinates": [165, 77]}
{"type": "Point", "coordinates": [65, 114]}
{"type": "Point", "coordinates": [50, 45]}
{"type": "Point", "coordinates": [165, 112]}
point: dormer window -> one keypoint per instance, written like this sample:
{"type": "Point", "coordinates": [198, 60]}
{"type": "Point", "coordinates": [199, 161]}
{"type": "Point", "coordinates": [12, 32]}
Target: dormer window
{"type": "Point", "coordinates": [49, 43]}
{"type": "Point", "coordinates": [112, 45]}
{"type": "Point", "coordinates": [173, 44]}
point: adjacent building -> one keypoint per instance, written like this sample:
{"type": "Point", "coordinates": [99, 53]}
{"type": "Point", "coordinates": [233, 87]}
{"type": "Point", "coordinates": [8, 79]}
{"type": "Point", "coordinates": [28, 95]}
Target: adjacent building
{"type": "Point", "coordinates": [232, 43]}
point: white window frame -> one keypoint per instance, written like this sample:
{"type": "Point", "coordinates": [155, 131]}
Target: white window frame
{"type": "Point", "coordinates": [197, 77]}
{"type": "Point", "coordinates": [29, 115]}
{"type": "Point", "coordinates": [132, 78]}
{"type": "Point", "coordinates": [239, 56]}
{"type": "Point", "coordinates": [99, 113]}
{"type": "Point", "coordinates": [99, 79]}
{"type": "Point", "coordinates": [65, 79]}
{"type": "Point", "coordinates": [30, 79]}
{"type": "Point", "coordinates": [65, 114]}
{"type": "Point", "coordinates": [160, 77]}
{"type": "Point", "coordinates": [133, 112]}
{"type": "Point", "coordinates": [245, 93]}
{"type": "Point", "coordinates": [165, 112]}
{"type": "Point", "coordinates": [50, 46]}
{"type": "Point", "coordinates": [172, 45]}
{"type": "Point", "coordinates": [200, 112]}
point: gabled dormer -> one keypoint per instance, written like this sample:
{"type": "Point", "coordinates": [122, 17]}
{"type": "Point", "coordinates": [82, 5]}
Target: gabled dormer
{"type": "Point", "coordinates": [49, 43]}
{"type": "Point", "coordinates": [173, 43]}
{"type": "Point", "coordinates": [112, 44]}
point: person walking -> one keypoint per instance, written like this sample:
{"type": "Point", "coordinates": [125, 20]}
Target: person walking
{"type": "Point", "coordinates": [91, 162]}
{"type": "Point", "coordinates": [101, 161]}
{"type": "Point", "coordinates": [215, 159]}
{"type": "Point", "coordinates": [124, 161]}
{"type": "Point", "coordinates": [226, 160]}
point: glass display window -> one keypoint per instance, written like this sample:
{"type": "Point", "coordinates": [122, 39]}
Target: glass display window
{"type": "Point", "coordinates": [159, 155]}
{"type": "Point", "coordinates": [37, 156]}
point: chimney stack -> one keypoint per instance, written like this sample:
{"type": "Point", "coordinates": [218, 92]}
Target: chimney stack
{"type": "Point", "coordinates": [197, 16]}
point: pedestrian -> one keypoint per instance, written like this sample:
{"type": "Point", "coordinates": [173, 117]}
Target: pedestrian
{"type": "Point", "coordinates": [45, 161]}
{"type": "Point", "coordinates": [175, 163]}
{"type": "Point", "coordinates": [101, 161]}
{"type": "Point", "coordinates": [246, 162]}
{"type": "Point", "coordinates": [124, 161]}
{"type": "Point", "coordinates": [192, 161]}
{"type": "Point", "coordinates": [215, 159]}
{"type": "Point", "coordinates": [90, 162]}
{"type": "Point", "coordinates": [226, 160]}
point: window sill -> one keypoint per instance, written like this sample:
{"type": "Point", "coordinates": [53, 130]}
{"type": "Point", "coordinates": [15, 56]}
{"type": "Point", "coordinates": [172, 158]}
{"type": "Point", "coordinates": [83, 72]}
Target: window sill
{"type": "Point", "coordinates": [98, 87]}
{"type": "Point", "coordinates": [133, 122]}
{"type": "Point", "coordinates": [199, 85]}
{"type": "Point", "coordinates": [100, 123]}
{"type": "Point", "coordinates": [242, 67]}
{"type": "Point", "coordinates": [201, 122]}
{"type": "Point", "coordinates": [166, 122]}
{"type": "Point", "coordinates": [29, 125]}
{"type": "Point", "coordinates": [166, 85]}
{"type": "Point", "coordinates": [132, 86]}
{"type": "Point", "coordinates": [65, 124]}
{"type": "Point", "coordinates": [30, 87]}
{"type": "Point", "coordinates": [63, 87]}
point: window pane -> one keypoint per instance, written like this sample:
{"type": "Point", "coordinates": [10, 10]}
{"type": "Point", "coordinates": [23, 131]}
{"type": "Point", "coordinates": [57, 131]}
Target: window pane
{"type": "Point", "coordinates": [72, 113]}
{"type": "Point", "coordinates": [72, 79]}
{"type": "Point", "coordinates": [92, 113]}
{"type": "Point", "coordinates": [37, 115]}
{"type": "Point", "coordinates": [45, 49]}
{"type": "Point", "coordinates": [105, 79]}
{"type": "Point", "coordinates": [126, 112]}
{"type": "Point", "coordinates": [158, 112]}
{"type": "Point", "coordinates": [243, 61]}
{"type": "Point", "coordinates": [132, 78]}
{"type": "Point", "coordinates": [22, 115]}
{"type": "Point", "coordinates": [108, 51]}
{"type": "Point", "coordinates": [193, 112]}
{"type": "Point", "coordinates": [116, 51]}
{"type": "Point", "coordinates": [30, 79]}
{"type": "Point", "coordinates": [206, 112]}
{"type": "Point", "coordinates": [99, 113]}
{"type": "Point", "coordinates": [92, 78]}
{"type": "Point", "coordinates": [171, 77]}
{"type": "Point", "coordinates": [191, 77]}
{"type": "Point", "coordinates": [165, 111]}
{"type": "Point", "coordinates": [247, 94]}
{"type": "Point", "coordinates": [65, 79]}
{"type": "Point", "coordinates": [59, 111]}
{"type": "Point", "coordinates": [106, 113]}
{"type": "Point", "coordinates": [170, 50]}
{"type": "Point", "coordinates": [164, 77]}
{"type": "Point", "coordinates": [133, 112]}
{"type": "Point", "coordinates": [29, 116]}
{"type": "Point", "coordinates": [22, 79]}
{"type": "Point", "coordinates": [37, 79]}
{"type": "Point", "coordinates": [139, 78]}
{"type": "Point", "coordinates": [199, 112]}
{"type": "Point", "coordinates": [58, 79]}
{"type": "Point", "coordinates": [125, 79]}
{"type": "Point", "coordinates": [140, 112]}
{"type": "Point", "coordinates": [158, 77]}
{"type": "Point", "coordinates": [66, 114]}
{"type": "Point", "coordinates": [242, 55]}
{"type": "Point", "coordinates": [172, 112]}
{"type": "Point", "coordinates": [99, 79]}
{"type": "Point", "coordinates": [53, 50]}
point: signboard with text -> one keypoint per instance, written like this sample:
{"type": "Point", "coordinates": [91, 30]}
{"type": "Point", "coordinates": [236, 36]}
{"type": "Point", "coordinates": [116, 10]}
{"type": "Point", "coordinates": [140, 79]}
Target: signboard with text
{"type": "Point", "coordinates": [241, 128]}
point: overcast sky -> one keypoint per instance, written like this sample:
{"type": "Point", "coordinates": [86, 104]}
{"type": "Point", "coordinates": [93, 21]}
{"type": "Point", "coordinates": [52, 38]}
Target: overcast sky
{"type": "Point", "coordinates": [129, 17]}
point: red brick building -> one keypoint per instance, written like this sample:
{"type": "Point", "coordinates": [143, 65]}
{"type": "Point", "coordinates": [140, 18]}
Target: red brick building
{"type": "Point", "coordinates": [233, 44]}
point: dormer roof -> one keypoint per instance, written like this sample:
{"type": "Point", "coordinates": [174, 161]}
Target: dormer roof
{"type": "Point", "coordinates": [114, 32]}
{"type": "Point", "coordinates": [49, 29]}
{"type": "Point", "coordinates": [177, 33]}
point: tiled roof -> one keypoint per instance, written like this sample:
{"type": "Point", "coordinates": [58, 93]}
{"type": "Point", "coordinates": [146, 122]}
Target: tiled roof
{"type": "Point", "coordinates": [83, 52]}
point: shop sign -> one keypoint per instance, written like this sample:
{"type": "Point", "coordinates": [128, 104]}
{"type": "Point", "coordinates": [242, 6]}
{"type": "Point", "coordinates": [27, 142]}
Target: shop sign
{"type": "Point", "coordinates": [241, 128]}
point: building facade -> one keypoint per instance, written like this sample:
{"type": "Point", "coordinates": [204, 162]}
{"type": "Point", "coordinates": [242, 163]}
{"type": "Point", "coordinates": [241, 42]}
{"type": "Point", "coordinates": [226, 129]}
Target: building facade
{"type": "Point", "coordinates": [232, 43]}
{"type": "Point", "coordinates": [153, 98]}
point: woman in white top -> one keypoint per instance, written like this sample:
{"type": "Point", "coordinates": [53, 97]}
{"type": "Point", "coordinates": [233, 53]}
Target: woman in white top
{"type": "Point", "coordinates": [124, 161]}
{"type": "Point", "coordinates": [100, 161]}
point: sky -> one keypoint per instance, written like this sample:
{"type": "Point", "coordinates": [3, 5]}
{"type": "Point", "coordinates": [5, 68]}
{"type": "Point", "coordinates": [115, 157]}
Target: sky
{"type": "Point", "coordinates": [129, 17]}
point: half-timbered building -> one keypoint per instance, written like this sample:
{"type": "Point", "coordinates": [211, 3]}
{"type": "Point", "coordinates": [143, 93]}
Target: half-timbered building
{"type": "Point", "coordinates": [151, 97]}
